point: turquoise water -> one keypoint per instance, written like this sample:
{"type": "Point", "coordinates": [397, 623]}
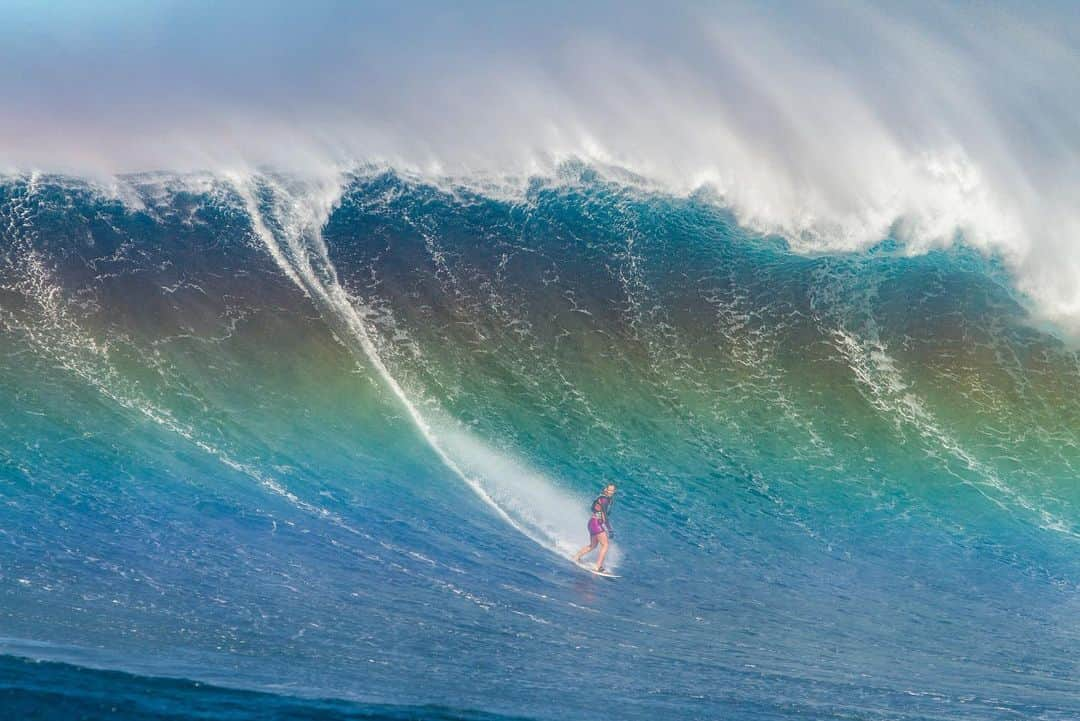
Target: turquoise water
{"type": "Point", "coordinates": [336, 443]}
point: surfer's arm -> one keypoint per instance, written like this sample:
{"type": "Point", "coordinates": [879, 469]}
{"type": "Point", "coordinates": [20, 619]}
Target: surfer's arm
{"type": "Point", "coordinates": [605, 521]}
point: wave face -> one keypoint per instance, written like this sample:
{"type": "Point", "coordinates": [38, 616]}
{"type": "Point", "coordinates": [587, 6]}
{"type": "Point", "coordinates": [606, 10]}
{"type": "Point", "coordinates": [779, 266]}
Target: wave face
{"type": "Point", "coordinates": [333, 442]}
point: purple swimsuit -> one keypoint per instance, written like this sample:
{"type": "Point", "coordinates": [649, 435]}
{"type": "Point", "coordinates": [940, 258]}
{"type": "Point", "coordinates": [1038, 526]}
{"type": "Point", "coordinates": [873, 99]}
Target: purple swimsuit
{"type": "Point", "coordinates": [596, 523]}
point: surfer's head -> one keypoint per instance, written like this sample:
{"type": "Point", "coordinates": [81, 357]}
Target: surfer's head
{"type": "Point", "coordinates": [609, 489]}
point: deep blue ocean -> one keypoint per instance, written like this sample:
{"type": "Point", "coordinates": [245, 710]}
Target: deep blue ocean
{"type": "Point", "coordinates": [273, 450]}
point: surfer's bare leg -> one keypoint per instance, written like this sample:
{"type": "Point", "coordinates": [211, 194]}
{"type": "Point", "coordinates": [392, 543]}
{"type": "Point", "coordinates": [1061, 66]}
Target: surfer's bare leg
{"type": "Point", "coordinates": [586, 549]}
{"type": "Point", "coordinates": [603, 550]}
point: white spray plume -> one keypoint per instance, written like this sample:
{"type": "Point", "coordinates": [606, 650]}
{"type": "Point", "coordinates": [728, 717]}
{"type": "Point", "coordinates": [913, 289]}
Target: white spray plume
{"type": "Point", "coordinates": [831, 125]}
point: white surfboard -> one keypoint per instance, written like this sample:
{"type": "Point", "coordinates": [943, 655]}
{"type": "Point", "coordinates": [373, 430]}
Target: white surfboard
{"type": "Point", "coordinates": [592, 569]}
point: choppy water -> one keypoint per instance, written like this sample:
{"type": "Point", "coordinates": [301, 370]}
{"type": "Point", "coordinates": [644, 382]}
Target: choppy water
{"type": "Point", "coordinates": [323, 443]}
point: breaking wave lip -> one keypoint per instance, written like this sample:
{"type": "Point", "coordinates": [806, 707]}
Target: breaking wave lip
{"type": "Point", "coordinates": [945, 201]}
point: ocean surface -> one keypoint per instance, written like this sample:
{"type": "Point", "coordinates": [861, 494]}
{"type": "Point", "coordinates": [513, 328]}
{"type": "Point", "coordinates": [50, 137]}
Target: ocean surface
{"type": "Point", "coordinates": [274, 448]}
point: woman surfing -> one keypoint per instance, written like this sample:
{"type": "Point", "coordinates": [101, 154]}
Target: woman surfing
{"type": "Point", "coordinates": [599, 527]}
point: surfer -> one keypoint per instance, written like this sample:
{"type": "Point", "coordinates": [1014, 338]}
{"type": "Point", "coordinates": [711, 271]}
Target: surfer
{"type": "Point", "coordinates": [600, 527]}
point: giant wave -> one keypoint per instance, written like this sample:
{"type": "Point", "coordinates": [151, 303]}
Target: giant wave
{"type": "Point", "coordinates": [330, 439]}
